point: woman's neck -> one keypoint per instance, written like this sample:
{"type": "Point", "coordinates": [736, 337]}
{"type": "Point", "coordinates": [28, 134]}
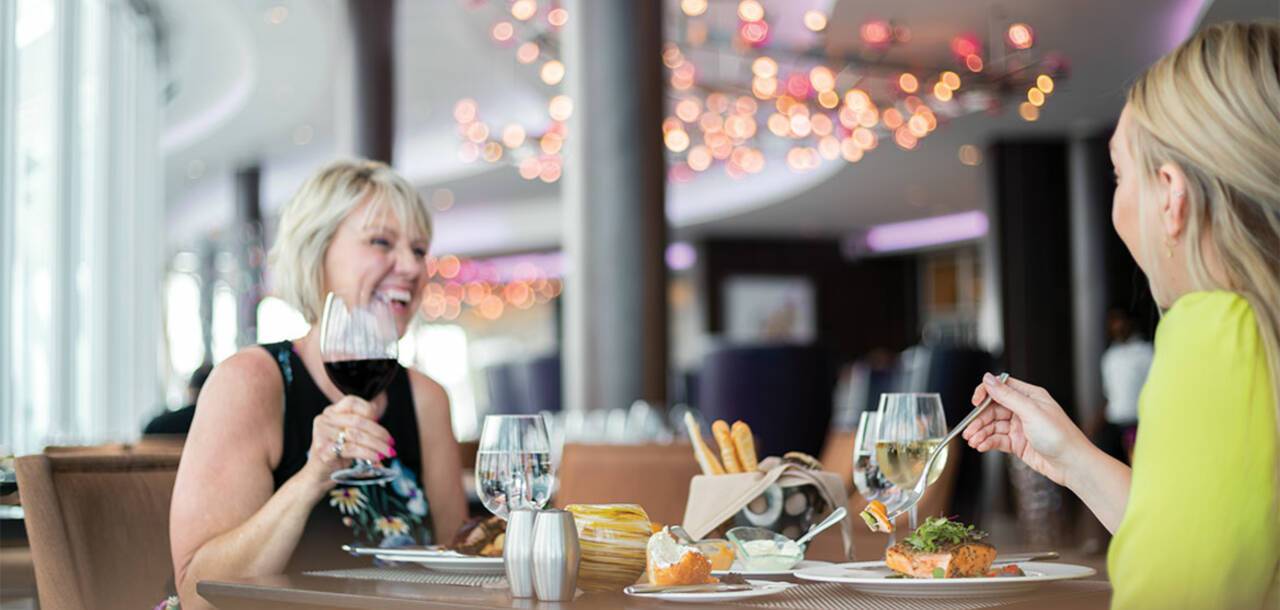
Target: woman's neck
{"type": "Point", "coordinates": [308, 349]}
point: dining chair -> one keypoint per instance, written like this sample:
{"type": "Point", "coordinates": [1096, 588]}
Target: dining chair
{"type": "Point", "coordinates": [98, 527]}
{"type": "Point", "coordinates": [655, 476]}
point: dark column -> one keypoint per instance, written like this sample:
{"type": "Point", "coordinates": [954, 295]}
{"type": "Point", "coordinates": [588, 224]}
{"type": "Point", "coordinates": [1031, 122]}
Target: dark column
{"type": "Point", "coordinates": [250, 254]}
{"type": "Point", "coordinates": [373, 77]}
{"type": "Point", "coordinates": [615, 342]}
{"type": "Point", "coordinates": [1032, 212]}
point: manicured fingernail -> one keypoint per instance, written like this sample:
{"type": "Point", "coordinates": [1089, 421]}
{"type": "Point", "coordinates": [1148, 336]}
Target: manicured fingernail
{"type": "Point", "coordinates": [391, 452]}
{"type": "Point", "coordinates": [393, 441]}
{"type": "Point", "coordinates": [989, 379]}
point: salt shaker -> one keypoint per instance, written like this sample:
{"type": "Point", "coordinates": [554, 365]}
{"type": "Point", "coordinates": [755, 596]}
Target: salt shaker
{"type": "Point", "coordinates": [517, 552]}
{"type": "Point", "coordinates": [555, 556]}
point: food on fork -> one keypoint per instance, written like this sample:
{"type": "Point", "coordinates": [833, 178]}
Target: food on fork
{"type": "Point", "coordinates": [672, 563]}
{"type": "Point", "coordinates": [941, 548]}
{"type": "Point", "coordinates": [877, 517]}
{"type": "Point", "coordinates": [745, 446]}
{"type": "Point", "coordinates": [480, 536]}
{"type": "Point", "coordinates": [706, 458]}
{"type": "Point", "coordinates": [728, 454]}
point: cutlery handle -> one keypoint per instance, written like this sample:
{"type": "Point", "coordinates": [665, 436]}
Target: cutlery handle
{"type": "Point", "coordinates": [1020, 557]}
{"type": "Point", "coordinates": [964, 423]}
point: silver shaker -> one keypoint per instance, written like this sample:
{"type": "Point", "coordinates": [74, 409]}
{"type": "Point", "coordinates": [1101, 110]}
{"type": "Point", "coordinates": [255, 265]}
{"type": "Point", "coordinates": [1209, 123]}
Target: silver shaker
{"type": "Point", "coordinates": [517, 551]}
{"type": "Point", "coordinates": [555, 556]}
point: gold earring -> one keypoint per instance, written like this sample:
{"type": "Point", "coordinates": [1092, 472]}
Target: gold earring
{"type": "Point", "coordinates": [1168, 248]}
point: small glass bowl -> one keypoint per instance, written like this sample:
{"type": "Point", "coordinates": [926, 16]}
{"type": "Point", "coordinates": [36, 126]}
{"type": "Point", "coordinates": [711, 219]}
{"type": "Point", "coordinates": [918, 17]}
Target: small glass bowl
{"type": "Point", "coordinates": [719, 551]}
{"type": "Point", "coordinates": [779, 555]}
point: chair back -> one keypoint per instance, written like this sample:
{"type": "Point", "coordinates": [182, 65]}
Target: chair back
{"type": "Point", "coordinates": [654, 476]}
{"type": "Point", "coordinates": [98, 527]}
{"type": "Point", "coordinates": [783, 391]}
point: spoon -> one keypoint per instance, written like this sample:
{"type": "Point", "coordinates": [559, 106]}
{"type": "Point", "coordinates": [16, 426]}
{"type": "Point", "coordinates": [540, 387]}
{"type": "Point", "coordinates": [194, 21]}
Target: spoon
{"type": "Point", "coordinates": [912, 496]}
{"type": "Point", "coordinates": [835, 517]}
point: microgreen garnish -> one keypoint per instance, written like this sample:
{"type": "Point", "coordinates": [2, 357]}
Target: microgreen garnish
{"type": "Point", "coordinates": [938, 532]}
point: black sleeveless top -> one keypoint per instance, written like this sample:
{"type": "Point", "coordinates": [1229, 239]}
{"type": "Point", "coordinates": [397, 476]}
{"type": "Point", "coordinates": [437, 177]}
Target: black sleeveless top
{"type": "Point", "coordinates": [389, 514]}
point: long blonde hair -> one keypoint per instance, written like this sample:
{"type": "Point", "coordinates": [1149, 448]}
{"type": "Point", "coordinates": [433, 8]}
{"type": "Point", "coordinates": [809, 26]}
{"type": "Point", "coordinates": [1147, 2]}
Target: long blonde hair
{"type": "Point", "coordinates": [1212, 107]}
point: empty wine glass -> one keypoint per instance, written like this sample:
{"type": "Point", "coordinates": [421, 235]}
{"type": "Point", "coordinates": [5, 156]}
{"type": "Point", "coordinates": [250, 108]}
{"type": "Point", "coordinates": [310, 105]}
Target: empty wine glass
{"type": "Point", "coordinates": [911, 426]}
{"type": "Point", "coordinates": [359, 345]}
{"type": "Point", "coordinates": [513, 463]}
{"type": "Point", "coordinates": [871, 483]}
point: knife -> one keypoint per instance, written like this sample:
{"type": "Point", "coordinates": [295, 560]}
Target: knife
{"type": "Point", "coordinates": [1021, 557]}
{"type": "Point", "coordinates": [707, 588]}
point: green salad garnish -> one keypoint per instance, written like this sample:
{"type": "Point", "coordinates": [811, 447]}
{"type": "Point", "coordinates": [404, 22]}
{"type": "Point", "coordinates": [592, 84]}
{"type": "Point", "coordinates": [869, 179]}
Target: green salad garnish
{"type": "Point", "coordinates": [938, 532]}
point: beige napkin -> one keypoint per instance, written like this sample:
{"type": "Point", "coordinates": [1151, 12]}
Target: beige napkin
{"type": "Point", "coordinates": [714, 499]}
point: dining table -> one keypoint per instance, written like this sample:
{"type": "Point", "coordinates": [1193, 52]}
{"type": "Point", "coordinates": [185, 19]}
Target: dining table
{"type": "Point", "coordinates": [409, 586]}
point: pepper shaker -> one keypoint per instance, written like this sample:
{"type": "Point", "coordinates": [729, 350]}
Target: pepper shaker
{"type": "Point", "coordinates": [556, 554]}
{"type": "Point", "coordinates": [517, 552]}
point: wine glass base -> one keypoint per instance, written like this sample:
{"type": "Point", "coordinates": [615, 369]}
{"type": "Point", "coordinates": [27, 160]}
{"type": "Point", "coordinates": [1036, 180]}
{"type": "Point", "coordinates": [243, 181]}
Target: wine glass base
{"type": "Point", "coordinates": [363, 476]}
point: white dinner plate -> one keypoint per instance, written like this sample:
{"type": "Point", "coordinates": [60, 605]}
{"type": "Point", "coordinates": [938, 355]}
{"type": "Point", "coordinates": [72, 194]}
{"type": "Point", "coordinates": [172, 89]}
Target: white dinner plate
{"type": "Point", "coordinates": [440, 560]}
{"type": "Point", "coordinates": [737, 569]}
{"type": "Point", "coordinates": [761, 588]}
{"type": "Point", "coordinates": [872, 577]}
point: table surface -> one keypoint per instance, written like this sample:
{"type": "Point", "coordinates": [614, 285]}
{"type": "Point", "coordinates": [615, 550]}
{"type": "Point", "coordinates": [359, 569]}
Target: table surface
{"type": "Point", "coordinates": [302, 591]}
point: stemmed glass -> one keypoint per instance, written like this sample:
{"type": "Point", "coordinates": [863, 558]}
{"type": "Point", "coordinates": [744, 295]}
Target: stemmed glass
{"type": "Point", "coordinates": [867, 477]}
{"type": "Point", "coordinates": [359, 345]}
{"type": "Point", "coordinates": [911, 426]}
{"type": "Point", "coordinates": [513, 463]}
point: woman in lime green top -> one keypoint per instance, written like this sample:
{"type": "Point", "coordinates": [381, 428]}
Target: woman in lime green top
{"type": "Point", "coordinates": [1197, 202]}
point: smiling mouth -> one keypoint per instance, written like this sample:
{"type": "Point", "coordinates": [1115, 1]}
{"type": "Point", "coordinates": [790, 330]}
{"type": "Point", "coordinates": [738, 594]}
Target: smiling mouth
{"type": "Point", "coordinates": [397, 298]}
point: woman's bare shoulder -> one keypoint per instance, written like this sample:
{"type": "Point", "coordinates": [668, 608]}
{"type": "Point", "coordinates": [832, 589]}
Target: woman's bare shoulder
{"type": "Point", "coordinates": [245, 386]}
{"type": "Point", "coordinates": [429, 396]}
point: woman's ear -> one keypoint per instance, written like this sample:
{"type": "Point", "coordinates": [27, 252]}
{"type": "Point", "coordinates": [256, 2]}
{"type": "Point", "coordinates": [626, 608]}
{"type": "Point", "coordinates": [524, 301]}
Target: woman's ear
{"type": "Point", "coordinates": [1173, 204]}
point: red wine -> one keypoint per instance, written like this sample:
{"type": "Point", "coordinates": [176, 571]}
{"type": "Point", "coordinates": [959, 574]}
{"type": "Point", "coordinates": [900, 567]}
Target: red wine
{"type": "Point", "coordinates": [363, 378]}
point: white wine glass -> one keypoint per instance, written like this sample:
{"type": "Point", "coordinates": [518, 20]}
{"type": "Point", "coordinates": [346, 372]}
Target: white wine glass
{"type": "Point", "coordinates": [513, 464]}
{"type": "Point", "coordinates": [867, 477]}
{"type": "Point", "coordinates": [359, 345]}
{"type": "Point", "coordinates": [911, 426]}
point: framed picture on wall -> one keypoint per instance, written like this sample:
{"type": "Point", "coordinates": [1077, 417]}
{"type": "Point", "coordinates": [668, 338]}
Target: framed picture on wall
{"type": "Point", "coordinates": [769, 308]}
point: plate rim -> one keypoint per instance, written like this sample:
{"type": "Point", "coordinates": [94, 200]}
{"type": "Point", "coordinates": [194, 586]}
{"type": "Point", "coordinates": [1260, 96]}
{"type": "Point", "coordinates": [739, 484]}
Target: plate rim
{"type": "Point", "coordinates": [1086, 572]}
{"type": "Point", "coordinates": [767, 587]}
{"type": "Point", "coordinates": [749, 574]}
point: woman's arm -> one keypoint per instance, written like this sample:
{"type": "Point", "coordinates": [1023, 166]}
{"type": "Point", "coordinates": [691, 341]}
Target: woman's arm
{"type": "Point", "coordinates": [225, 519]}
{"type": "Point", "coordinates": [1025, 421]}
{"type": "Point", "coordinates": [441, 463]}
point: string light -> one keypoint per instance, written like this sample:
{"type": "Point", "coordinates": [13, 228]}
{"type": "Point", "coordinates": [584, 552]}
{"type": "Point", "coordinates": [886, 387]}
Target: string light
{"type": "Point", "coordinates": [908, 83]}
{"type": "Point", "coordinates": [815, 20]}
{"type": "Point", "coordinates": [1045, 83]}
{"type": "Point", "coordinates": [1020, 36]}
{"type": "Point", "coordinates": [552, 72]}
{"type": "Point", "coordinates": [693, 8]}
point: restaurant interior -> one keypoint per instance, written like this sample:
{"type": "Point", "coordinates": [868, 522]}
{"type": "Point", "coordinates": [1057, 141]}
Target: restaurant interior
{"type": "Point", "coordinates": [646, 219]}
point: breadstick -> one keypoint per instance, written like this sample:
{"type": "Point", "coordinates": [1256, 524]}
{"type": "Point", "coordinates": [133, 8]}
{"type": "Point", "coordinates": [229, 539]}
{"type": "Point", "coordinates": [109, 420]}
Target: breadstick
{"type": "Point", "coordinates": [727, 452]}
{"type": "Point", "coordinates": [745, 445]}
{"type": "Point", "coordinates": [706, 459]}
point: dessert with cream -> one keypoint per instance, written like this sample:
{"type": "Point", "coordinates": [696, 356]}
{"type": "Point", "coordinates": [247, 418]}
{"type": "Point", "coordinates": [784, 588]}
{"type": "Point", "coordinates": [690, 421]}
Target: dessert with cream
{"type": "Point", "coordinates": [770, 555]}
{"type": "Point", "coordinates": [672, 563]}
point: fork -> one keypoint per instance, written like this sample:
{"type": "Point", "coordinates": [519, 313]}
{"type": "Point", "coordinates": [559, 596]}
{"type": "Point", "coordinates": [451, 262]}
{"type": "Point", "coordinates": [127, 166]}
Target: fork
{"type": "Point", "coordinates": [912, 496]}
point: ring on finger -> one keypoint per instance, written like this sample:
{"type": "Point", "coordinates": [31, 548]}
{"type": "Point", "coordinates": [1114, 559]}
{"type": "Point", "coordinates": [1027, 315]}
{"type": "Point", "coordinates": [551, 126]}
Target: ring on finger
{"type": "Point", "coordinates": [340, 442]}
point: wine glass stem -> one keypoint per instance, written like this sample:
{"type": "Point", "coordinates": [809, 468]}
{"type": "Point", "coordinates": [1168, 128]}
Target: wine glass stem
{"type": "Point", "coordinates": [913, 517]}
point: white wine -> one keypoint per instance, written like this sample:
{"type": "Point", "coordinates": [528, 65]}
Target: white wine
{"type": "Point", "coordinates": [902, 463]}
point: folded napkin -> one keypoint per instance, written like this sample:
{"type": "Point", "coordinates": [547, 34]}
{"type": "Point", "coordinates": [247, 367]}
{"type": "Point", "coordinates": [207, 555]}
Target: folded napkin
{"type": "Point", "coordinates": [714, 499]}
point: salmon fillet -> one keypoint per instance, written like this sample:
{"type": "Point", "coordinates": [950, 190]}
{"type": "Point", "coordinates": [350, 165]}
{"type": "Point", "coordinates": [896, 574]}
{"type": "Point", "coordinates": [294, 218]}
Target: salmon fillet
{"type": "Point", "coordinates": [956, 561]}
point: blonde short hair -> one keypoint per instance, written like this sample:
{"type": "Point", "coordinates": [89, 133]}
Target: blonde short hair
{"type": "Point", "coordinates": [310, 219]}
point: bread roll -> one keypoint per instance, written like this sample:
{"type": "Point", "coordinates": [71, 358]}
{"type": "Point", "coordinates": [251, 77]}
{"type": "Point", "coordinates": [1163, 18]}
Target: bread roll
{"type": "Point", "coordinates": [706, 459]}
{"type": "Point", "coordinates": [745, 444]}
{"type": "Point", "coordinates": [728, 453]}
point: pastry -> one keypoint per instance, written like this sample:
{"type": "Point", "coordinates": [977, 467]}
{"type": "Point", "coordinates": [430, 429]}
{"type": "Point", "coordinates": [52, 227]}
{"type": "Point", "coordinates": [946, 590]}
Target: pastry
{"type": "Point", "coordinates": [745, 445]}
{"type": "Point", "coordinates": [706, 458]}
{"type": "Point", "coordinates": [727, 451]}
{"type": "Point", "coordinates": [671, 563]}
{"type": "Point", "coordinates": [480, 536]}
{"type": "Point", "coordinates": [802, 459]}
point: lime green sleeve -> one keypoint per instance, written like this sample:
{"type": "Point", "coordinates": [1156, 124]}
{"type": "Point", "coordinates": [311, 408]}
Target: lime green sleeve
{"type": "Point", "coordinates": [1202, 527]}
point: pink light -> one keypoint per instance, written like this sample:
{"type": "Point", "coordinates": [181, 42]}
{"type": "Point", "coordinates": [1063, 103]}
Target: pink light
{"type": "Point", "coordinates": [681, 256]}
{"type": "Point", "coordinates": [927, 231]}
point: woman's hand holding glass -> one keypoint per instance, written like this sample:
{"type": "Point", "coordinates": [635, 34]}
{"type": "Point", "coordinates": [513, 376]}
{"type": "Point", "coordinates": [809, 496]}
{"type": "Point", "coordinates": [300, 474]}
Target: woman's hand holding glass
{"type": "Point", "coordinates": [362, 438]}
{"type": "Point", "coordinates": [1025, 421]}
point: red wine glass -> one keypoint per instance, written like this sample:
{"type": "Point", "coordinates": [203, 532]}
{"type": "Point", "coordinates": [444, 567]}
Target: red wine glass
{"type": "Point", "coordinates": [358, 345]}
